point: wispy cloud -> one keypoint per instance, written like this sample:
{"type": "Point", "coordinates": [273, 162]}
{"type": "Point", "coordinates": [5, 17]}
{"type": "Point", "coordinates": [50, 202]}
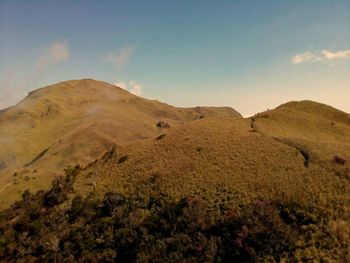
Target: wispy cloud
{"type": "Point", "coordinates": [324, 55]}
{"type": "Point", "coordinates": [15, 86]}
{"type": "Point", "coordinates": [133, 87]}
{"type": "Point", "coordinates": [122, 85]}
{"type": "Point", "coordinates": [57, 52]}
{"type": "Point", "coordinates": [120, 58]}
{"type": "Point", "coordinates": [136, 88]}
{"type": "Point", "coordinates": [336, 55]}
{"type": "Point", "coordinates": [304, 57]}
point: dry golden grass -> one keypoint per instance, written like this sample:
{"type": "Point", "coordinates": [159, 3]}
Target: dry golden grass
{"type": "Point", "coordinates": [319, 129]}
{"type": "Point", "coordinates": [286, 155]}
{"type": "Point", "coordinates": [74, 122]}
{"type": "Point", "coordinates": [225, 161]}
{"type": "Point", "coordinates": [207, 157]}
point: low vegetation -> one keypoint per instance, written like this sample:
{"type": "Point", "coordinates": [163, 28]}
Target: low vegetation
{"type": "Point", "coordinates": [60, 225]}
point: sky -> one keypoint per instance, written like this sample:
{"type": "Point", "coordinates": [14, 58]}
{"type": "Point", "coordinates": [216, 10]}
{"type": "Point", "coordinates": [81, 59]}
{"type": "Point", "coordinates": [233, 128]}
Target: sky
{"type": "Point", "coordinates": [249, 55]}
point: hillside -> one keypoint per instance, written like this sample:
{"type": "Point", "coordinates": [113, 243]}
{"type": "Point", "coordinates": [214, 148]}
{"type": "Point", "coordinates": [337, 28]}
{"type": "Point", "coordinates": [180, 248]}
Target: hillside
{"type": "Point", "coordinates": [74, 122]}
{"type": "Point", "coordinates": [316, 129]}
{"type": "Point", "coordinates": [295, 156]}
{"type": "Point", "coordinates": [274, 152]}
{"type": "Point", "coordinates": [212, 187]}
{"type": "Point", "coordinates": [274, 187]}
{"type": "Point", "coordinates": [211, 157]}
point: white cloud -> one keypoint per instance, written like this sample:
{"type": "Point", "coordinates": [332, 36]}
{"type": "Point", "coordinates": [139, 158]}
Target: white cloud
{"type": "Point", "coordinates": [94, 109]}
{"type": "Point", "coordinates": [320, 56]}
{"type": "Point", "coordinates": [133, 87]}
{"type": "Point", "coordinates": [122, 85]}
{"type": "Point", "coordinates": [15, 86]}
{"type": "Point", "coordinates": [337, 54]}
{"type": "Point", "coordinates": [120, 58]}
{"type": "Point", "coordinates": [56, 53]}
{"type": "Point", "coordinates": [307, 56]}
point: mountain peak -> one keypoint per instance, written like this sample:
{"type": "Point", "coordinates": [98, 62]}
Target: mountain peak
{"type": "Point", "coordinates": [74, 121]}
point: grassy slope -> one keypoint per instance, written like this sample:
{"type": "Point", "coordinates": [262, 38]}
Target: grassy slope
{"type": "Point", "coordinates": [76, 121]}
{"type": "Point", "coordinates": [220, 158]}
{"type": "Point", "coordinates": [207, 157]}
{"type": "Point", "coordinates": [320, 130]}
{"type": "Point", "coordinates": [226, 162]}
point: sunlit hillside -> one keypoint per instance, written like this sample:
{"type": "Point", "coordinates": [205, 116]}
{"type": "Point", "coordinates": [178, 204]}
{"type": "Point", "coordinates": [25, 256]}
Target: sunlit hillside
{"type": "Point", "coordinates": [285, 170]}
{"type": "Point", "coordinates": [74, 122]}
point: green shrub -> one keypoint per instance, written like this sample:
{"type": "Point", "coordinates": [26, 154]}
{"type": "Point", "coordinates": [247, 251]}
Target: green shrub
{"type": "Point", "coordinates": [150, 226]}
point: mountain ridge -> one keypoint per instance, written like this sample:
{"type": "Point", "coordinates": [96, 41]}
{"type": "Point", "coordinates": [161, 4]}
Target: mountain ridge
{"type": "Point", "coordinates": [73, 122]}
{"type": "Point", "coordinates": [76, 121]}
{"type": "Point", "coordinates": [286, 170]}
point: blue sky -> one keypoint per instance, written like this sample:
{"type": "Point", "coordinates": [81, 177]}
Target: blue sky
{"type": "Point", "coordinates": [250, 55]}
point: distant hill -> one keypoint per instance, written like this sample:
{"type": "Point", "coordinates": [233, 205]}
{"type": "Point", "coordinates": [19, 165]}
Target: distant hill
{"type": "Point", "coordinates": [74, 122]}
{"type": "Point", "coordinates": [319, 130]}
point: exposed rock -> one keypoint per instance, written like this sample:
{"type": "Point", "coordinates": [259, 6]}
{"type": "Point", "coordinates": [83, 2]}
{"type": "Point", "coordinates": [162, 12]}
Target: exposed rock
{"type": "Point", "coordinates": [123, 159]}
{"type": "Point", "coordinates": [339, 160]}
{"type": "Point", "coordinates": [109, 153]}
{"type": "Point", "coordinates": [162, 124]}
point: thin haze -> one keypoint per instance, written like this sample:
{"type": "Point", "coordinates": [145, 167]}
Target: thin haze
{"type": "Point", "coordinates": [250, 55]}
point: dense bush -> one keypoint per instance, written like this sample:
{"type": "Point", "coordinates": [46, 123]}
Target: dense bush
{"type": "Point", "coordinates": [152, 228]}
{"type": "Point", "coordinates": [61, 226]}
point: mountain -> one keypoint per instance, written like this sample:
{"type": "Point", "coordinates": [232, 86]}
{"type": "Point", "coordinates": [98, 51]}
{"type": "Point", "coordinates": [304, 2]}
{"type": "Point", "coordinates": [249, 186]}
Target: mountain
{"type": "Point", "coordinates": [74, 122]}
{"type": "Point", "coordinates": [295, 156]}
{"type": "Point", "coordinates": [292, 152]}
{"type": "Point", "coordinates": [161, 183]}
{"type": "Point", "coordinates": [319, 130]}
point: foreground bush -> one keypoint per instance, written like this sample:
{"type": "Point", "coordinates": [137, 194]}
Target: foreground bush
{"type": "Point", "coordinates": [60, 226]}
